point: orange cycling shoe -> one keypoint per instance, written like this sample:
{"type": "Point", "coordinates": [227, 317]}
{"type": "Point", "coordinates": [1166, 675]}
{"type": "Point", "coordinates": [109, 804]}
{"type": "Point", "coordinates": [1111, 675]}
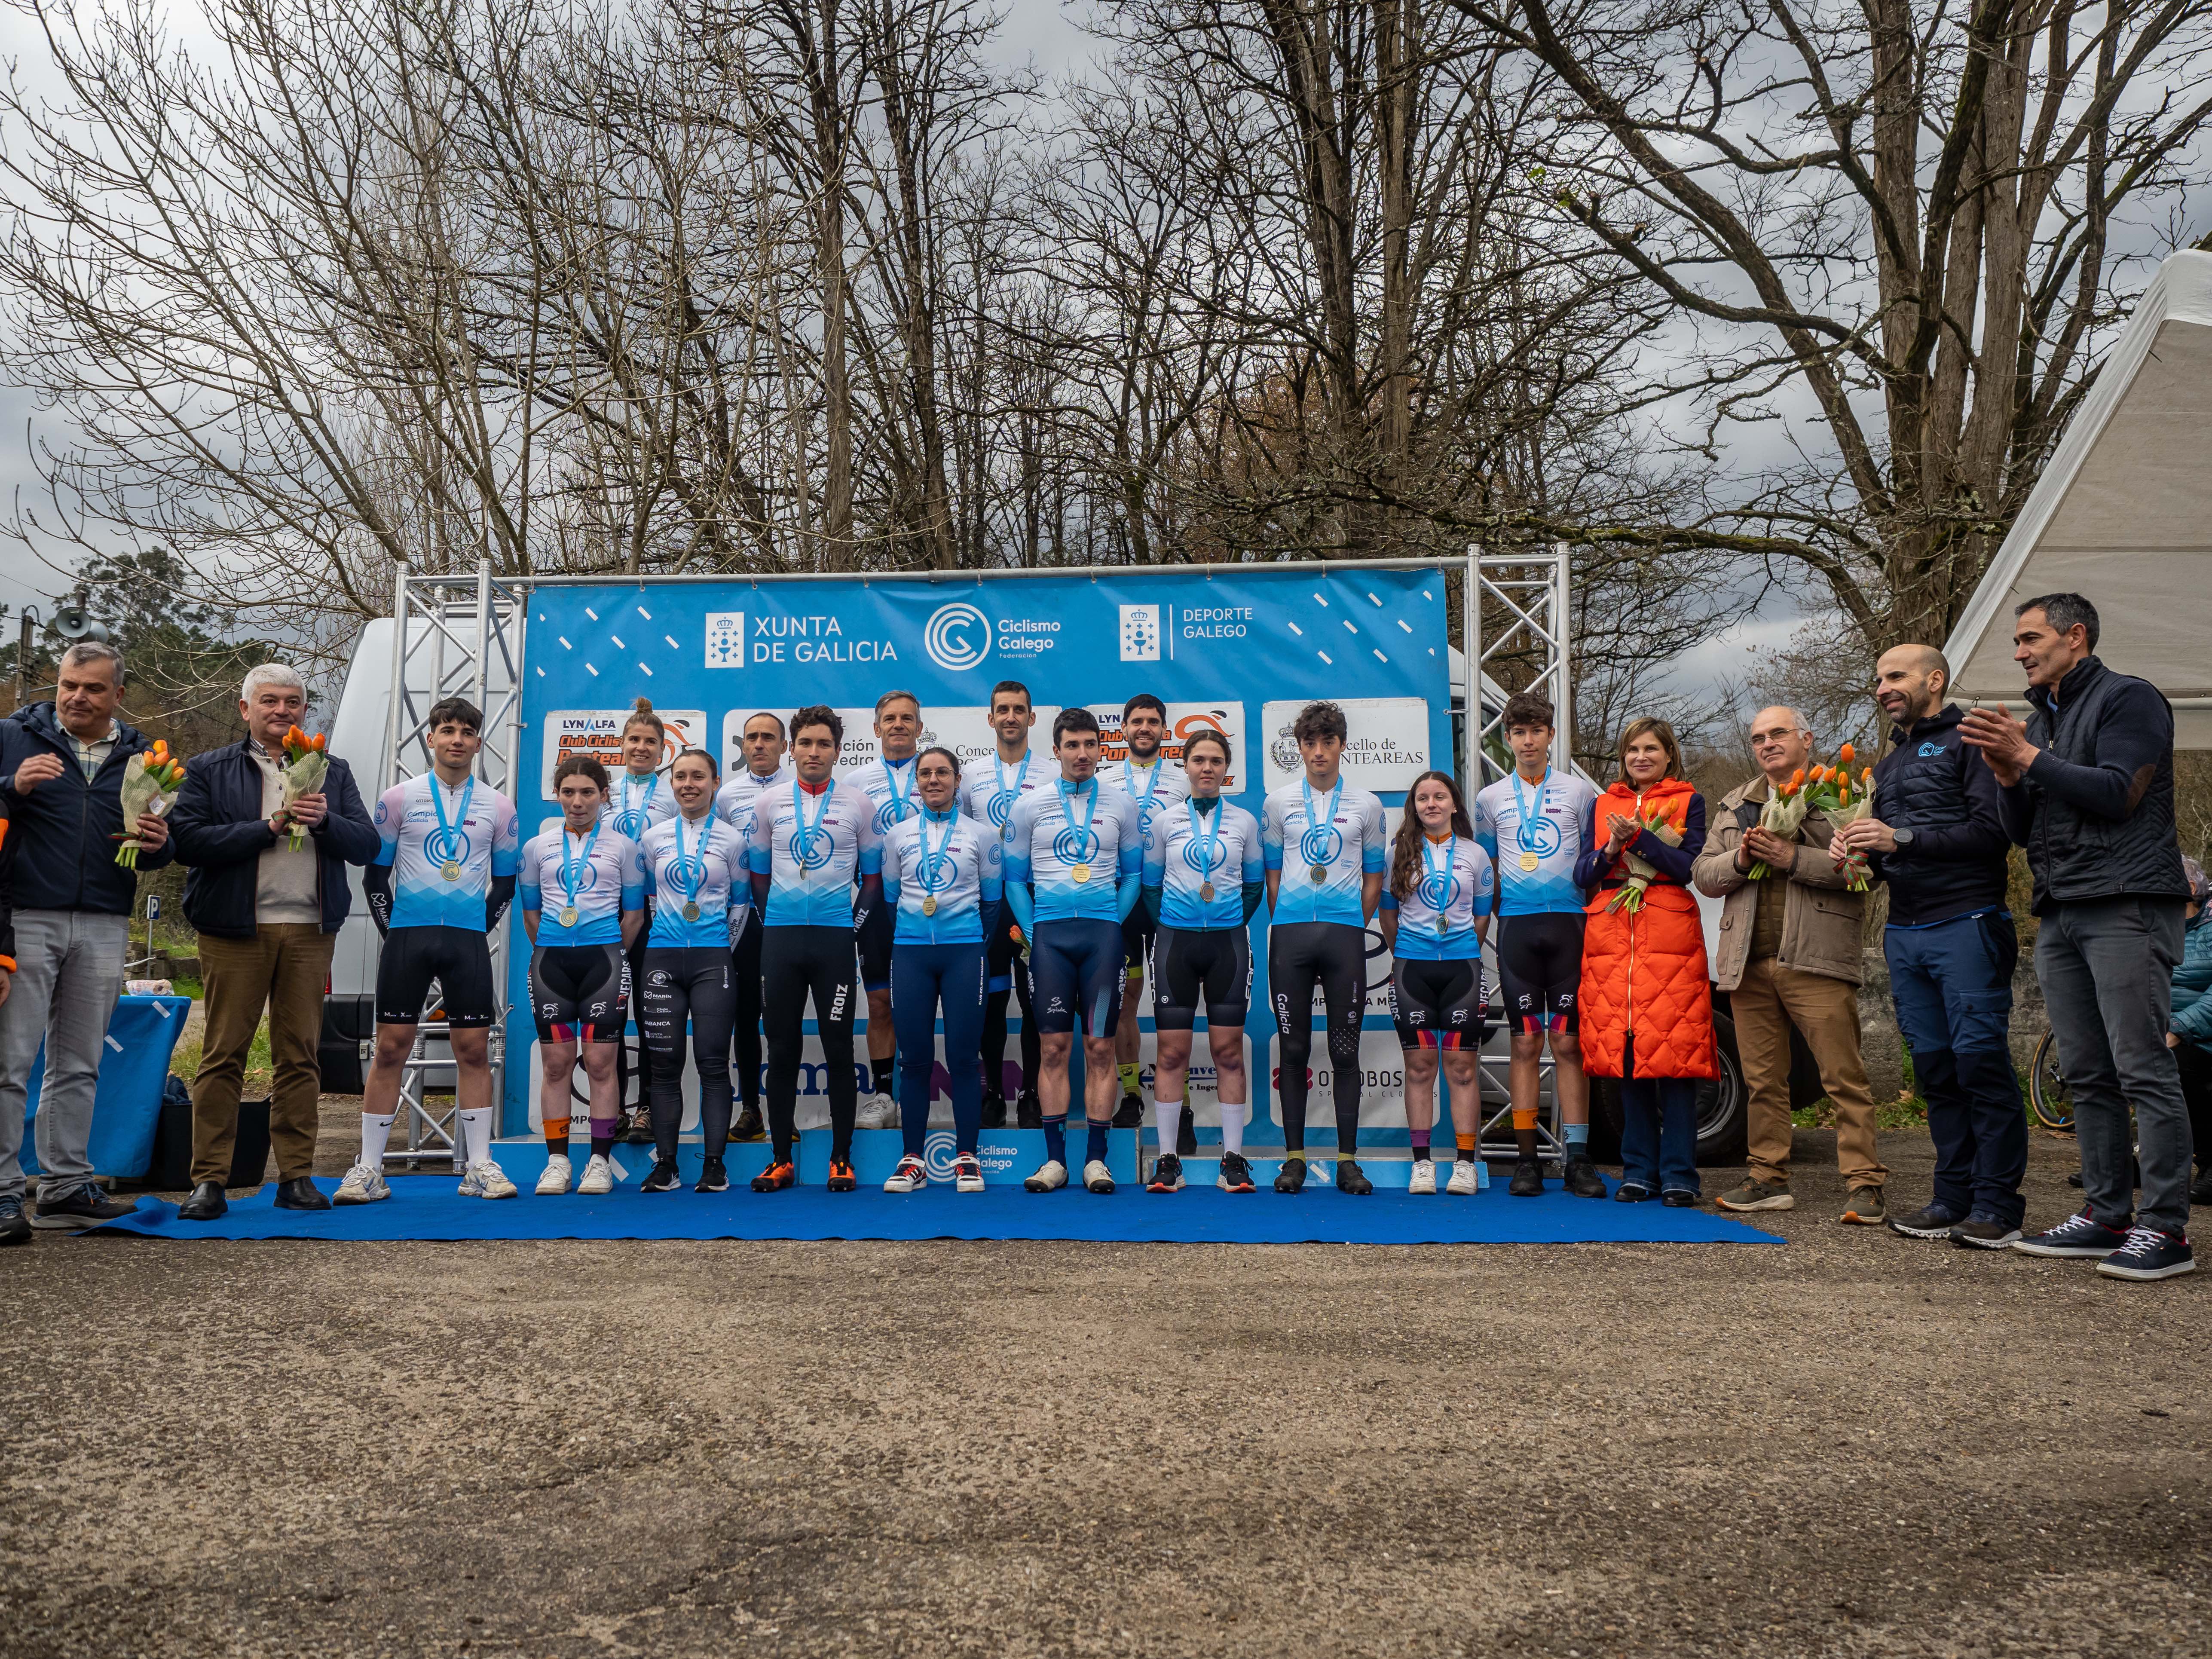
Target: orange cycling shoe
{"type": "Point", "coordinates": [776, 1177]}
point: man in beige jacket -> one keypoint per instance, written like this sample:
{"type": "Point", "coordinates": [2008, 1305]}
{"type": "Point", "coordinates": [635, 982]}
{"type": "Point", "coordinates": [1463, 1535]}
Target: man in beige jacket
{"type": "Point", "coordinates": [1789, 955]}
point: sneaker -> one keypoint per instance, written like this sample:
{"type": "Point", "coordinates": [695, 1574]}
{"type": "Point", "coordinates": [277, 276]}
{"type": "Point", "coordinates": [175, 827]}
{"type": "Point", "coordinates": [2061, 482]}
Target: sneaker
{"type": "Point", "coordinates": [1167, 1175]}
{"type": "Point", "coordinates": [713, 1176]}
{"type": "Point", "coordinates": [842, 1178]}
{"type": "Point", "coordinates": [776, 1178]}
{"type": "Point", "coordinates": [1527, 1179]}
{"type": "Point", "coordinates": [485, 1179]}
{"type": "Point", "coordinates": [968, 1173]}
{"type": "Point", "coordinates": [1185, 1134]}
{"type": "Point", "coordinates": [1930, 1221]}
{"type": "Point", "coordinates": [1051, 1176]}
{"type": "Point", "coordinates": [749, 1126]}
{"type": "Point", "coordinates": [994, 1111]}
{"type": "Point", "coordinates": [1351, 1178]}
{"type": "Point", "coordinates": [1632, 1192]}
{"type": "Point", "coordinates": [1292, 1177]}
{"type": "Point", "coordinates": [81, 1206]}
{"type": "Point", "coordinates": [1235, 1174]}
{"type": "Point", "coordinates": [1679, 1197]}
{"type": "Point", "coordinates": [364, 1183]}
{"type": "Point", "coordinates": [1465, 1178]}
{"type": "Point", "coordinates": [1862, 1208]}
{"type": "Point", "coordinates": [1421, 1180]}
{"type": "Point", "coordinates": [1979, 1232]}
{"type": "Point", "coordinates": [1581, 1179]}
{"type": "Point", "coordinates": [911, 1176]}
{"type": "Point", "coordinates": [14, 1227]}
{"type": "Point", "coordinates": [1028, 1111]}
{"type": "Point", "coordinates": [1130, 1114]}
{"type": "Point", "coordinates": [599, 1177]}
{"type": "Point", "coordinates": [663, 1178]}
{"type": "Point", "coordinates": [1758, 1195]}
{"type": "Point", "coordinates": [2149, 1253]}
{"type": "Point", "coordinates": [554, 1181]}
{"type": "Point", "coordinates": [636, 1129]}
{"type": "Point", "coordinates": [876, 1112]}
{"type": "Point", "coordinates": [1097, 1178]}
{"type": "Point", "coordinates": [2080, 1235]}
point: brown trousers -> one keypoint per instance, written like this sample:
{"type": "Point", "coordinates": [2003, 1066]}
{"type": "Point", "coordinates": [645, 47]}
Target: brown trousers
{"type": "Point", "coordinates": [283, 968]}
{"type": "Point", "coordinates": [1771, 999]}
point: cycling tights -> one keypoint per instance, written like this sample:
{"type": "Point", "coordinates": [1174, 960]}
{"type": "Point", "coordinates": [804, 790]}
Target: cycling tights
{"type": "Point", "coordinates": [1333, 954]}
{"type": "Point", "coordinates": [794, 961]}
{"type": "Point", "coordinates": [693, 981]}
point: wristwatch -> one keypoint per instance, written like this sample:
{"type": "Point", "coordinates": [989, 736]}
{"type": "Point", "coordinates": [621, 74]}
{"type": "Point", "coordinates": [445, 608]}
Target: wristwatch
{"type": "Point", "coordinates": [1902, 837]}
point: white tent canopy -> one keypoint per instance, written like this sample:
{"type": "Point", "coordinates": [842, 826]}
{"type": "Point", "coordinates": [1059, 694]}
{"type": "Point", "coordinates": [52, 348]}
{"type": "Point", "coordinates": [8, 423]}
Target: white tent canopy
{"type": "Point", "coordinates": [2123, 515]}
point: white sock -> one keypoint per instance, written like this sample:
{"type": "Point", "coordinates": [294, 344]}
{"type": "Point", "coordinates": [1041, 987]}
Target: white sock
{"type": "Point", "coordinates": [376, 1135]}
{"type": "Point", "coordinates": [475, 1133]}
{"type": "Point", "coordinates": [1167, 1113]}
{"type": "Point", "coordinates": [1232, 1126]}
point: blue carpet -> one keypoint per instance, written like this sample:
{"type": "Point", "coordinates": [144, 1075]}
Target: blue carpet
{"type": "Point", "coordinates": [426, 1207]}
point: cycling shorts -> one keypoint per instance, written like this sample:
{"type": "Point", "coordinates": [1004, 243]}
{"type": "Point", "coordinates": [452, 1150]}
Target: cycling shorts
{"type": "Point", "coordinates": [1139, 928]}
{"type": "Point", "coordinates": [1075, 975]}
{"type": "Point", "coordinates": [1208, 968]}
{"type": "Point", "coordinates": [579, 992]}
{"type": "Point", "coordinates": [874, 938]}
{"type": "Point", "coordinates": [1539, 969]}
{"type": "Point", "coordinates": [458, 959]}
{"type": "Point", "coordinates": [1438, 1005]}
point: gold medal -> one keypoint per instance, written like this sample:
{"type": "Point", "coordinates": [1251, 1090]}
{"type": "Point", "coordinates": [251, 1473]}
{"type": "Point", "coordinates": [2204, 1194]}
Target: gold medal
{"type": "Point", "coordinates": [1206, 891]}
{"type": "Point", "coordinates": [929, 904]}
{"type": "Point", "coordinates": [451, 869]}
{"type": "Point", "coordinates": [1081, 873]}
{"type": "Point", "coordinates": [691, 909]}
{"type": "Point", "coordinates": [1317, 874]}
{"type": "Point", "coordinates": [1528, 859]}
{"type": "Point", "coordinates": [568, 916]}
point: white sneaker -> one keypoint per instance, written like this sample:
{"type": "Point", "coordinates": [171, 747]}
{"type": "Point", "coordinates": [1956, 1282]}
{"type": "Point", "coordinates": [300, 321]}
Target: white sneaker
{"type": "Point", "coordinates": [911, 1176]}
{"type": "Point", "coordinates": [967, 1173]}
{"type": "Point", "coordinates": [877, 1112]}
{"type": "Point", "coordinates": [364, 1183]}
{"type": "Point", "coordinates": [599, 1177]}
{"type": "Point", "coordinates": [1465, 1178]}
{"type": "Point", "coordinates": [1423, 1180]}
{"type": "Point", "coordinates": [1051, 1176]}
{"type": "Point", "coordinates": [1097, 1177]}
{"type": "Point", "coordinates": [554, 1181]}
{"type": "Point", "coordinates": [485, 1179]}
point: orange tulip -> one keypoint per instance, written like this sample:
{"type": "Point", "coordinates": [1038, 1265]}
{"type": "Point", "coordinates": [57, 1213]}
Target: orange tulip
{"type": "Point", "coordinates": [1866, 778]}
{"type": "Point", "coordinates": [1846, 754]}
{"type": "Point", "coordinates": [1798, 776]}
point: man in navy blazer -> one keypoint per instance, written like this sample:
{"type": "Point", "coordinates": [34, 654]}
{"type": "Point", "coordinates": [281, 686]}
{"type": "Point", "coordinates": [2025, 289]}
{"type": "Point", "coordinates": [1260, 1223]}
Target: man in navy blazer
{"type": "Point", "coordinates": [268, 916]}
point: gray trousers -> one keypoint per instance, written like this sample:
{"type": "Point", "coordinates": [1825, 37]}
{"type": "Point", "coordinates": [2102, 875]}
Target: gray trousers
{"type": "Point", "coordinates": [68, 972]}
{"type": "Point", "coordinates": [2106, 968]}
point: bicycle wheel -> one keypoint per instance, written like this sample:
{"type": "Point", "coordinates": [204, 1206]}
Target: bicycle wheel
{"type": "Point", "coordinates": [2047, 1094]}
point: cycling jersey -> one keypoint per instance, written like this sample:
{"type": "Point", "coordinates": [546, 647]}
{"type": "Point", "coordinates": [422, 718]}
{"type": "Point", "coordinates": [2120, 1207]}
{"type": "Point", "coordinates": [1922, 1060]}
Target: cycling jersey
{"type": "Point", "coordinates": [1187, 850]}
{"type": "Point", "coordinates": [888, 785]}
{"type": "Point", "coordinates": [1533, 833]}
{"type": "Point", "coordinates": [444, 847]}
{"type": "Point", "coordinates": [1074, 843]}
{"type": "Point", "coordinates": [1153, 787]}
{"type": "Point", "coordinates": [990, 787]}
{"type": "Point", "coordinates": [813, 847]}
{"type": "Point", "coordinates": [635, 803]}
{"type": "Point", "coordinates": [942, 874]}
{"type": "Point", "coordinates": [697, 877]}
{"type": "Point", "coordinates": [733, 801]}
{"type": "Point", "coordinates": [1436, 920]}
{"type": "Point", "coordinates": [579, 885]}
{"type": "Point", "coordinates": [1323, 850]}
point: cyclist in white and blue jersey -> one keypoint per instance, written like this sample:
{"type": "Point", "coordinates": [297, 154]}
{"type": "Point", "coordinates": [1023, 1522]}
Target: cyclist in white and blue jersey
{"type": "Point", "coordinates": [583, 903]}
{"type": "Point", "coordinates": [1075, 859]}
{"type": "Point", "coordinates": [696, 874]}
{"type": "Point", "coordinates": [888, 783]}
{"type": "Point", "coordinates": [1325, 851]}
{"type": "Point", "coordinates": [942, 884]}
{"type": "Point", "coordinates": [637, 798]}
{"type": "Point", "coordinates": [443, 878]}
{"type": "Point", "coordinates": [1204, 876]}
{"type": "Point", "coordinates": [1436, 909]}
{"type": "Point", "coordinates": [988, 789]}
{"type": "Point", "coordinates": [812, 844]}
{"type": "Point", "coordinates": [1147, 775]}
{"type": "Point", "coordinates": [759, 766]}
{"type": "Point", "coordinates": [1530, 824]}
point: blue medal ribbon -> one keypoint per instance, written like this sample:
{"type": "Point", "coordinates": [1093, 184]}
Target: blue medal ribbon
{"type": "Point", "coordinates": [899, 797]}
{"type": "Point", "coordinates": [450, 864]}
{"type": "Point", "coordinates": [1436, 888]}
{"type": "Point", "coordinates": [1081, 831]}
{"type": "Point", "coordinates": [1524, 833]}
{"type": "Point", "coordinates": [571, 869]}
{"type": "Point", "coordinates": [1007, 795]}
{"type": "Point", "coordinates": [629, 813]}
{"type": "Point", "coordinates": [691, 869]}
{"type": "Point", "coordinates": [1324, 823]}
{"type": "Point", "coordinates": [1206, 832]}
{"type": "Point", "coordinates": [802, 840]}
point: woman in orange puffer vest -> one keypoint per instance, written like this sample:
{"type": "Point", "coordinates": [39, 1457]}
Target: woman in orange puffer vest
{"type": "Point", "coordinates": [1646, 1000]}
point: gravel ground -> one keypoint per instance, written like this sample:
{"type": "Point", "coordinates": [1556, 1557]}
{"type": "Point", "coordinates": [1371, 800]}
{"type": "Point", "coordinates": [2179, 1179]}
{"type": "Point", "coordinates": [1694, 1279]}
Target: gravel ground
{"type": "Point", "coordinates": [1851, 1445]}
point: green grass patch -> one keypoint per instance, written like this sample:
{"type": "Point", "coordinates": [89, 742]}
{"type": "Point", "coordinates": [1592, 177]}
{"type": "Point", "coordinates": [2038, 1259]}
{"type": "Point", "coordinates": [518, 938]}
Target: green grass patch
{"type": "Point", "coordinates": [260, 1069]}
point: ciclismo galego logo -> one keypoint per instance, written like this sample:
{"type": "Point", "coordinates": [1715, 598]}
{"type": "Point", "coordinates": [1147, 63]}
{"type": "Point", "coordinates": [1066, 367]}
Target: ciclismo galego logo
{"type": "Point", "coordinates": [956, 636]}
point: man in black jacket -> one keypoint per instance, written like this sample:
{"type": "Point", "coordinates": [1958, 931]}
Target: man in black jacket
{"type": "Point", "coordinates": [61, 777]}
{"type": "Point", "coordinates": [2089, 790]}
{"type": "Point", "coordinates": [1936, 838]}
{"type": "Point", "coordinates": [268, 914]}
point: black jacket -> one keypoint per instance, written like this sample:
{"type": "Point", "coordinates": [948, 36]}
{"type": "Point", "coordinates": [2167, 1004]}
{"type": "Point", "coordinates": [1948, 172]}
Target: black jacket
{"type": "Point", "coordinates": [220, 835]}
{"type": "Point", "coordinates": [1937, 785]}
{"type": "Point", "coordinates": [66, 831]}
{"type": "Point", "coordinates": [2096, 810]}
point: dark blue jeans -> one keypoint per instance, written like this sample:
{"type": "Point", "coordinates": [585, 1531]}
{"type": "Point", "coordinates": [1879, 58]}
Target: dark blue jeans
{"type": "Point", "coordinates": [1659, 1132]}
{"type": "Point", "coordinates": [1952, 983]}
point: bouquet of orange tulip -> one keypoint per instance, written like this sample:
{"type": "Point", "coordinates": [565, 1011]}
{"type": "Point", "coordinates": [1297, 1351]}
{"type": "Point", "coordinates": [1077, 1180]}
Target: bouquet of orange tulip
{"type": "Point", "coordinates": [1784, 812]}
{"type": "Point", "coordinates": [1629, 899]}
{"type": "Point", "coordinates": [306, 765]}
{"type": "Point", "coordinates": [1846, 800]}
{"type": "Point", "coordinates": [150, 782]}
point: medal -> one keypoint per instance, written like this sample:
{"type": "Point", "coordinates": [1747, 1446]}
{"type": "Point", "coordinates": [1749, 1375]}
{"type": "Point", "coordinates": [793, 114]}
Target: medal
{"type": "Point", "coordinates": [451, 869]}
{"type": "Point", "coordinates": [929, 904]}
{"type": "Point", "coordinates": [1528, 861]}
{"type": "Point", "coordinates": [692, 868]}
{"type": "Point", "coordinates": [691, 909]}
{"type": "Point", "coordinates": [1078, 834]}
{"type": "Point", "coordinates": [1081, 873]}
{"type": "Point", "coordinates": [568, 916]}
{"type": "Point", "coordinates": [1321, 829]}
{"type": "Point", "coordinates": [570, 869]}
{"type": "Point", "coordinates": [1206, 891]}
{"type": "Point", "coordinates": [1531, 843]}
{"type": "Point", "coordinates": [1318, 874]}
